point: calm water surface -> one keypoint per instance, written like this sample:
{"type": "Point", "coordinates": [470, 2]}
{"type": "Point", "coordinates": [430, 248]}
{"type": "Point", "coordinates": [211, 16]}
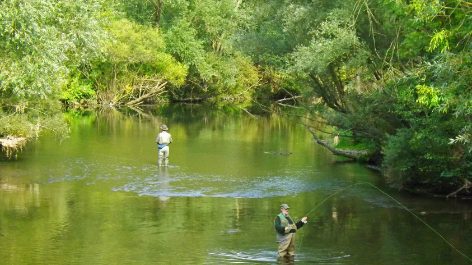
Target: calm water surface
{"type": "Point", "coordinates": [98, 196]}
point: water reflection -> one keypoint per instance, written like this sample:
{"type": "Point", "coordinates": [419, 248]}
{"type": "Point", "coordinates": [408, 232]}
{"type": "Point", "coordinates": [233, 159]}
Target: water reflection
{"type": "Point", "coordinates": [164, 183]}
{"type": "Point", "coordinates": [26, 194]}
{"type": "Point", "coordinates": [98, 197]}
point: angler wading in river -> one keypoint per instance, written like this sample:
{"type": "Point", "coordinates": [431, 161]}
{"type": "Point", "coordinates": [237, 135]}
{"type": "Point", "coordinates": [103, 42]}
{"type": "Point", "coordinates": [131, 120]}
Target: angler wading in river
{"type": "Point", "coordinates": [286, 229]}
{"type": "Point", "coordinates": [163, 140]}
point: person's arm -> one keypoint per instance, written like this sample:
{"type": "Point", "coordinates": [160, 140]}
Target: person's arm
{"type": "Point", "coordinates": [278, 227]}
{"type": "Point", "coordinates": [301, 222]}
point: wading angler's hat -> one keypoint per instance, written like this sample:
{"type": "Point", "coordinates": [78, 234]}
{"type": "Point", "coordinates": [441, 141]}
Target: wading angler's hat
{"type": "Point", "coordinates": [284, 206]}
{"type": "Point", "coordinates": [164, 127]}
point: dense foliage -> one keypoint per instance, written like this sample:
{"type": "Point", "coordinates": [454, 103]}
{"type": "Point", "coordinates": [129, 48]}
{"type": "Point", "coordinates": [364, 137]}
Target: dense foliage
{"type": "Point", "coordinates": [42, 42]}
{"type": "Point", "coordinates": [392, 75]}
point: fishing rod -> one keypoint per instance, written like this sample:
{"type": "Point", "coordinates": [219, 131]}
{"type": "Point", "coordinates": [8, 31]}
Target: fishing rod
{"type": "Point", "coordinates": [399, 203]}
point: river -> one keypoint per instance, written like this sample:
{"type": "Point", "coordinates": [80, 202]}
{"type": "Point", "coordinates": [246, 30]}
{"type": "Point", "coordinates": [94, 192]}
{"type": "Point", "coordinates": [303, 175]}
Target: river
{"type": "Point", "coordinates": [98, 197]}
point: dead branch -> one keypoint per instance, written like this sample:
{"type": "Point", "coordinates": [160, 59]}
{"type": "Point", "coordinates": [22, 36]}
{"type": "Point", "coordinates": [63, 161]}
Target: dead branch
{"type": "Point", "coordinates": [291, 98]}
{"type": "Point", "coordinates": [158, 89]}
{"type": "Point", "coordinates": [352, 154]}
{"type": "Point", "coordinates": [348, 153]}
{"type": "Point", "coordinates": [12, 144]}
{"type": "Point", "coordinates": [252, 115]}
{"type": "Point", "coordinates": [467, 185]}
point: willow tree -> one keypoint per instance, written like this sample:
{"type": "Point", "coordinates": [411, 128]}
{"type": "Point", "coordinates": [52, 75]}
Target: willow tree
{"type": "Point", "coordinates": [434, 97]}
{"type": "Point", "coordinates": [40, 43]}
{"type": "Point", "coordinates": [136, 67]}
{"type": "Point", "coordinates": [389, 73]}
{"type": "Point", "coordinates": [338, 68]}
{"type": "Point", "coordinates": [200, 34]}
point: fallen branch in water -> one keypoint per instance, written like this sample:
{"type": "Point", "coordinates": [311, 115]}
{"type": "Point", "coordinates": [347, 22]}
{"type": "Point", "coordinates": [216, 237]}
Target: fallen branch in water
{"type": "Point", "coordinates": [12, 144]}
{"type": "Point", "coordinates": [352, 154]}
{"type": "Point", "coordinates": [156, 90]}
{"type": "Point", "coordinates": [467, 185]}
{"type": "Point", "coordinates": [133, 94]}
{"type": "Point", "coordinates": [280, 153]}
{"type": "Point", "coordinates": [252, 115]}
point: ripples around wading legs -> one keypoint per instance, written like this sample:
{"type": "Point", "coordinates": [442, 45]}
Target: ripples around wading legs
{"type": "Point", "coordinates": [270, 257]}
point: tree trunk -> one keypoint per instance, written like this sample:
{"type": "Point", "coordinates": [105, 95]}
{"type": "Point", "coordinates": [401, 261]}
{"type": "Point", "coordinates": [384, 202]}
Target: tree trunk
{"type": "Point", "coordinates": [157, 11]}
{"type": "Point", "coordinates": [352, 154]}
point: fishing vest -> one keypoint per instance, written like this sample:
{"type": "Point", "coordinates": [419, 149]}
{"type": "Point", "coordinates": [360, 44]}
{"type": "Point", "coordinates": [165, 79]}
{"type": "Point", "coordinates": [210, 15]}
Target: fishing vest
{"type": "Point", "coordinates": [284, 222]}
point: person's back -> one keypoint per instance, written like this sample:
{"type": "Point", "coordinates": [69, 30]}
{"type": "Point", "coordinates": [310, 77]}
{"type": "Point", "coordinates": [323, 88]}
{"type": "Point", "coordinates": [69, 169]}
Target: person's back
{"type": "Point", "coordinates": [163, 140]}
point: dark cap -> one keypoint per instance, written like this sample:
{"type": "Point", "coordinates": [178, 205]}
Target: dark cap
{"type": "Point", "coordinates": [284, 206]}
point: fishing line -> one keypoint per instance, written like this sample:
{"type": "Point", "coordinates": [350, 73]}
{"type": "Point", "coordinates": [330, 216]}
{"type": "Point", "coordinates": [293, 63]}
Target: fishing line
{"type": "Point", "coordinates": [332, 196]}
{"type": "Point", "coordinates": [399, 203]}
{"type": "Point", "coordinates": [327, 198]}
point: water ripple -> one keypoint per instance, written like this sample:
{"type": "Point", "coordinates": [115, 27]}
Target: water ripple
{"type": "Point", "coordinates": [173, 181]}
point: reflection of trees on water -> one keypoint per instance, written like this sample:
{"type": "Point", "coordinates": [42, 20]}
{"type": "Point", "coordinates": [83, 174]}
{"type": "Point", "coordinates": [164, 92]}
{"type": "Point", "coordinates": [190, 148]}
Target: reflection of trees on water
{"type": "Point", "coordinates": [193, 118]}
{"type": "Point", "coordinates": [250, 122]}
{"type": "Point", "coordinates": [26, 195]}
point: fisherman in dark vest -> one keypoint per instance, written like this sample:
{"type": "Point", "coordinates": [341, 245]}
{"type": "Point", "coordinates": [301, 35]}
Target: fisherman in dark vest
{"type": "Point", "coordinates": [286, 229]}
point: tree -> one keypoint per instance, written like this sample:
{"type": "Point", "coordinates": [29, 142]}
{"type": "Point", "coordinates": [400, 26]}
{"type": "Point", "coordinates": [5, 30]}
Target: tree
{"type": "Point", "coordinates": [41, 42]}
{"type": "Point", "coordinates": [392, 80]}
{"type": "Point", "coordinates": [201, 34]}
{"type": "Point", "coordinates": [137, 67]}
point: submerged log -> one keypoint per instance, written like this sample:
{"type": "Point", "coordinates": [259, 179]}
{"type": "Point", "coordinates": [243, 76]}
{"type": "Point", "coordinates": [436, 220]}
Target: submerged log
{"type": "Point", "coordinates": [280, 153]}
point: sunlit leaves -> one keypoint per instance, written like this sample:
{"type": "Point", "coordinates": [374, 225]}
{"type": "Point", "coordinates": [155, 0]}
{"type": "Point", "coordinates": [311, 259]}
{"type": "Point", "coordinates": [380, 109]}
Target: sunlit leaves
{"type": "Point", "coordinates": [439, 41]}
{"type": "Point", "coordinates": [334, 43]}
{"type": "Point", "coordinates": [446, 25]}
{"type": "Point", "coordinates": [429, 96]}
{"type": "Point", "coordinates": [133, 43]}
{"type": "Point", "coordinates": [136, 52]}
{"type": "Point", "coordinates": [332, 59]}
{"type": "Point", "coordinates": [184, 44]}
{"type": "Point", "coordinates": [200, 34]}
{"type": "Point", "coordinates": [42, 40]}
{"type": "Point", "coordinates": [427, 9]}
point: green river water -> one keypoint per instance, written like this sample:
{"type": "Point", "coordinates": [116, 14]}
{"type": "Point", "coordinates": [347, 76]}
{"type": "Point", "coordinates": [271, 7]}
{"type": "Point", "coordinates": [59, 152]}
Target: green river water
{"type": "Point", "coordinates": [98, 197]}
